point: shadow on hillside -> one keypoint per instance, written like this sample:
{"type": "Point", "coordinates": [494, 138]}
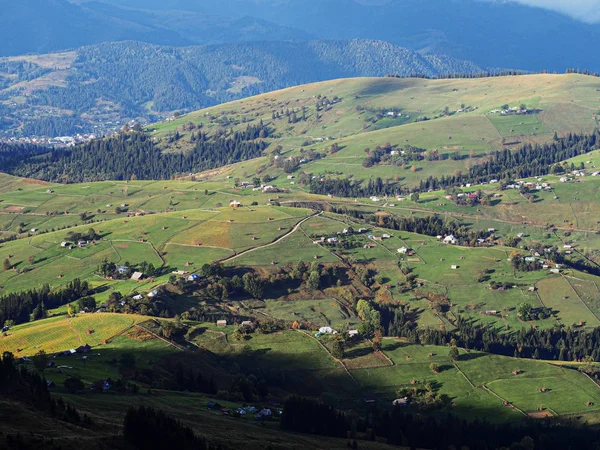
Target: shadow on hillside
{"type": "Point", "coordinates": [358, 352]}
{"type": "Point", "coordinates": [470, 356]}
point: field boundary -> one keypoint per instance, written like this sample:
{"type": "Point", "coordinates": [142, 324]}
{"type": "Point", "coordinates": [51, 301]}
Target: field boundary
{"type": "Point", "coordinates": [341, 363]}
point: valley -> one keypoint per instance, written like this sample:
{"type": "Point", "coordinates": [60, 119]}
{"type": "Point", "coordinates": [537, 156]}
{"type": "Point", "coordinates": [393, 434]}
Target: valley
{"type": "Point", "coordinates": [358, 242]}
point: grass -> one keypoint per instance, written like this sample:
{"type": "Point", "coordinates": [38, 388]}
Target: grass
{"type": "Point", "coordinates": [319, 312]}
{"type": "Point", "coordinates": [563, 103]}
{"type": "Point", "coordinates": [63, 333]}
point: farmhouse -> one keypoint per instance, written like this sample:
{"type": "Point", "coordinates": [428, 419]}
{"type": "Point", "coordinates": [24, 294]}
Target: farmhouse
{"type": "Point", "coordinates": [403, 250]}
{"type": "Point", "coordinates": [221, 323]}
{"type": "Point", "coordinates": [234, 204]}
{"type": "Point", "coordinates": [327, 330]}
{"type": "Point", "coordinates": [352, 333]}
{"type": "Point", "coordinates": [153, 294]}
{"type": "Point", "coordinates": [454, 267]}
{"type": "Point", "coordinates": [193, 277]}
{"type": "Point", "coordinates": [450, 240]}
{"type": "Point", "coordinates": [332, 240]}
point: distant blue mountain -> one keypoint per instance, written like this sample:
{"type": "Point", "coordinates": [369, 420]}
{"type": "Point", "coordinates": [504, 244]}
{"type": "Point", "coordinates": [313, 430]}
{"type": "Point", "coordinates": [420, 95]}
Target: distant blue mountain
{"type": "Point", "coordinates": [490, 33]}
{"type": "Point", "coordinates": [497, 33]}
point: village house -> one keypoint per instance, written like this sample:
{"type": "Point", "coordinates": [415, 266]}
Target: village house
{"type": "Point", "coordinates": [450, 240]}
{"type": "Point", "coordinates": [221, 323]}
{"type": "Point", "coordinates": [234, 204]}
{"type": "Point", "coordinates": [327, 330]}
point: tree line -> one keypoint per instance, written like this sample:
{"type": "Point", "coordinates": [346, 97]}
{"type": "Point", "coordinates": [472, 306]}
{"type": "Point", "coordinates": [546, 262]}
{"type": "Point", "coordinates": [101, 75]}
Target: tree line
{"type": "Point", "coordinates": [30, 388]}
{"type": "Point", "coordinates": [145, 427]}
{"type": "Point", "coordinates": [21, 307]}
{"type": "Point", "coordinates": [528, 161]}
{"type": "Point", "coordinates": [506, 164]}
{"type": "Point", "coordinates": [425, 431]}
{"type": "Point", "coordinates": [134, 155]}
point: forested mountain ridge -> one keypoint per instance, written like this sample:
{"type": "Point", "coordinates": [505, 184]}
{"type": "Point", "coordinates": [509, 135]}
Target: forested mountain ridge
{"type": "Point", "coordinates": [492, 33]}
{"type": "Point", "coordinates": [107, 84]}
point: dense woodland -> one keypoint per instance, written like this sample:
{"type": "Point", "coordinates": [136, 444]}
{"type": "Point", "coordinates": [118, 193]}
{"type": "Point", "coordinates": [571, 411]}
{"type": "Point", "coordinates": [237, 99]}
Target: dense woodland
{"type": "Point", "coordinates": [134, 155]}
{"type": "Point", "coordinates": [29, 305]}
{"type": "Point", "coordinates": [30, 390]}
{"type": "Point", "coordinates": [145, 427]}
{"type": "Point", "coordinates": [444, 433]}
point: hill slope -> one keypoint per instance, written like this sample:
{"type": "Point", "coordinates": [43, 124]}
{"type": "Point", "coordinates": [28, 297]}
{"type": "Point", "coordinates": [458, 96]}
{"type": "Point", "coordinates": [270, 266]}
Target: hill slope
{"type": "Point", "coordinates": [333, 129]}
{"type": "Point", "coordinates": [356, 114]}
{"type": "Point", "coordinates": [60, 94]}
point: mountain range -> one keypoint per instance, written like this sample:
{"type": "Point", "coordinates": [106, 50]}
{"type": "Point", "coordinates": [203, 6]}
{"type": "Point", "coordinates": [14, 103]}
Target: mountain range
{"type": "Point", "coordinates": [491, 33]}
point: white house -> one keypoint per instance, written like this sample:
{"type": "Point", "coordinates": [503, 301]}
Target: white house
{"type": "Point", "coordinates": [403, 250]}
{"type": "Point", "coordinates": [352, 333]}
{"type": "Point", "coordinates": [332, 240]}
{"type": "Point", "coordinates": [326, 330]}
{"type": "Point", "coordinates": [450, 240]}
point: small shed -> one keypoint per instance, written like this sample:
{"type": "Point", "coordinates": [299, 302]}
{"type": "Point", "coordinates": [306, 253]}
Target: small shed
{"type": "Point", "coordinates": [221, 323]}
{"type": "Point", "coordinates": [137, 276]}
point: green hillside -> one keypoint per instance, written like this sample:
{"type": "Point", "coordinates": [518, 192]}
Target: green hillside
{"type": "Point", "coordinates": [355, 116]}
{"type": "Point", "coordinates": [471, 299]}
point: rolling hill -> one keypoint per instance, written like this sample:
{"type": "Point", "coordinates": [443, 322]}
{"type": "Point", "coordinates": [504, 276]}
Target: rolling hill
{"type": "Point", "coordinates": [215, 272]}
{"type": "Point", "coordinates": [366, 113]}
{"type": "Point", "coordinates": [100, 87]}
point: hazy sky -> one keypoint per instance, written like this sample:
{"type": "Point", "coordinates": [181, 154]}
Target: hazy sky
{"type": "Point", "coordinates": [586, 10]}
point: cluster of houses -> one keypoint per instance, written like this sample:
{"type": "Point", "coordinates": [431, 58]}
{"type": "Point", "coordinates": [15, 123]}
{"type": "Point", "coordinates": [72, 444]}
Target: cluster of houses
{"type": "Point", "coordinates": [323, 331]}
{"type": "Point", "coordinates": [577, 173]}
{"type": "Point", "coordinates": [260, 413]}
{"type": "Point", "coordinates": [62, 141]}
{"type": "Point", "coordinates": [71, 246]}
{"type": "Point", "coordinates": [510, 111]}
{"type": "Point", "coordinates": [335, 240]}
{"type": "Point", "coordinates": [244, 324]}
{"type": "Point", "coordinates": [538, 185]}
